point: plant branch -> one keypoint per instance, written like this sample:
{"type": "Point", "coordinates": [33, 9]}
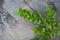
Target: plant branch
{"type": "Point", "coordinates": [28, 5]}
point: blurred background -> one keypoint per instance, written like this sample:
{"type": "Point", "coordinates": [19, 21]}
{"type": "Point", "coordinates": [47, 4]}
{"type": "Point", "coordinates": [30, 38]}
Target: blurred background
{"type": "Point", "coordinates": [22, 30]}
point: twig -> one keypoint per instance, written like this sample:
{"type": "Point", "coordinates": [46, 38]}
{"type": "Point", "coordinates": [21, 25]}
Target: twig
{"type": "Point", "coordinates": [28, 5]}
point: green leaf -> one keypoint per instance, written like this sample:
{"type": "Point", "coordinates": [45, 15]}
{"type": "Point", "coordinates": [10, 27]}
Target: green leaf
{"type": "Point", "coordinates": [16, 12]}
{"type": "Point", "coordinates": [50, 13]}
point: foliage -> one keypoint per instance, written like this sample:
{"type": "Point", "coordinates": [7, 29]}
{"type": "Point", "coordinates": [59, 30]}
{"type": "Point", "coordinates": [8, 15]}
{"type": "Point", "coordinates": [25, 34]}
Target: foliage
{"type": "Point", "coordinates": [44, 28]}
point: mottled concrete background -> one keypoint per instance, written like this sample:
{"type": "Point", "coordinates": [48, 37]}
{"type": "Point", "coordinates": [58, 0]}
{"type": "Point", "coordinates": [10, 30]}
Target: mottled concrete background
{"type": "Point", "coordinates": [22, 30]}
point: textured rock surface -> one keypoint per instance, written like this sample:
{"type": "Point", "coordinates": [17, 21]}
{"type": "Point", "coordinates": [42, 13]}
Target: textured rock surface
{"type": "Point", "coordinates": [22, 30]}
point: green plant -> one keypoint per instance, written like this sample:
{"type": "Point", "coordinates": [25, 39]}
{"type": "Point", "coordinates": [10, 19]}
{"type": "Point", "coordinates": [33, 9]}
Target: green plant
{"type": "Point", "coordinates": [44, 28]}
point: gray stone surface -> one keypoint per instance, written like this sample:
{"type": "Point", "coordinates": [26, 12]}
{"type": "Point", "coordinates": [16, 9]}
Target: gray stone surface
{"type": "Point", "coordinates": [22, 30]}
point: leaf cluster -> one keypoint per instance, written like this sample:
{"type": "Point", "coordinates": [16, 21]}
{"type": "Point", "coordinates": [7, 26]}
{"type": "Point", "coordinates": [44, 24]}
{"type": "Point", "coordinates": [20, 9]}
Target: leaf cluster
{"type": "Point", "coordinates": [44, 28]}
